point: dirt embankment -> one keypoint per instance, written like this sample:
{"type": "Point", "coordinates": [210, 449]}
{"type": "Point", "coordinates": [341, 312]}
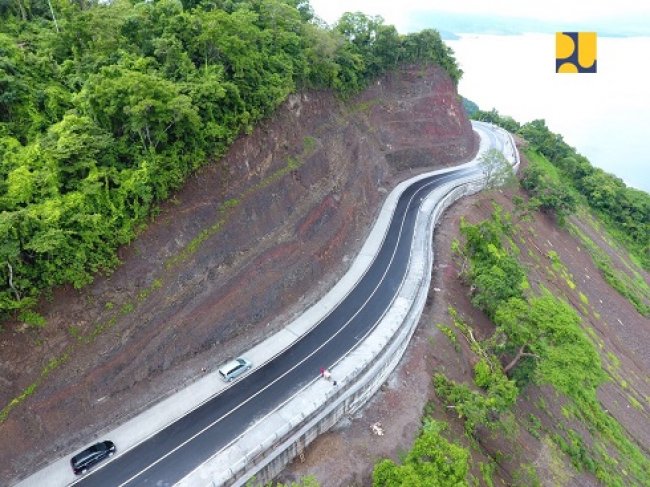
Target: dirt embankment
{"type": "Point", "coordinates": [249, 241]}
{"type": "Point", "coordinates": [526, 455]}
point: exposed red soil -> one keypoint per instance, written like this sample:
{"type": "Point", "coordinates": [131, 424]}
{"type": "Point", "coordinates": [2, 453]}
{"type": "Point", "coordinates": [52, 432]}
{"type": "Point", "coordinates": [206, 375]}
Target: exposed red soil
{"type": "Point", "coordinates": [279, 249]}
{"type": "Point", "coordinates": [347, 455]}
{"type": "Point", "coordinates": [174, 308]}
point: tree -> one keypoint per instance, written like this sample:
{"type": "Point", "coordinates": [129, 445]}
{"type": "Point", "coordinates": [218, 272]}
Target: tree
{"type": "Point", "coordinates": [497, 171]}
{"type": "Point", "coordinates": [432, 462]}
{"type": "Point", "coordinates": [548, 191]}
{"type": "Point", "coordinates": [144, 107]}
{"type": "Point", "coordinates": [359, 29]}
{"type": "Point", "coordinates": [494, 275]}
{"type": "Point", "coordinates": [74, 146]}
{"type": "Point", "coordinates": [493, 116]}
{"type": "Point", "coordinates": [548, 330]}
{"type": "Point", "coordinates": [471, 108]}
{"type": "Point", "coordinates": [387, 47]}
{"type": "Point", "coordinates": [494, 281]}
{"type": "Point", "coordinates": [427, 46]}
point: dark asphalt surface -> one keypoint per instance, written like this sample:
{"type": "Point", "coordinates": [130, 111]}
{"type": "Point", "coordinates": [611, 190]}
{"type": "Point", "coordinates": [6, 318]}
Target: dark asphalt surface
{"type": "Point", "coordinates": [178, 449]}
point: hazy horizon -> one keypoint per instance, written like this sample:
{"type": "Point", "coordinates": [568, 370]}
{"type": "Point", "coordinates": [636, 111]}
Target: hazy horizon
{"type": "Point", "coordinates": [451, 24]}
{"type": "Point", "coordinates": [602, 115]}
{"type": "Point", "coordinates": [512, 70]}
{"type": "Point", "coordinates": [623, 17]}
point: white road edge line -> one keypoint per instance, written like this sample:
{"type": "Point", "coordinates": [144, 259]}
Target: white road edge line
{"type": "Point", "coordinates": [361, 339]}
{"type": "Point", "coordinates": [483, 131]}
{"type": "Point", "coordinates": [250, 398]}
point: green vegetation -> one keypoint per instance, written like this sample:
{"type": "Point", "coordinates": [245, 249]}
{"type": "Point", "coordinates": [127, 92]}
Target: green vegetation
{"type": "Point", "coordinates": [29, 390]}
{"type": "Point", "coordinates": [526, 476]}
{"type": "Point", "coordinates": [449, 333]}
{"type": "Point", "coordinates": [635, 290]}
{"type": "Point", "coordinates": [478, 408]}
{"type": "Point", "coordinates": [494, 274]}
{"type": "Point", "coordinates": [433, 461]}
{"type": "Point", "coordinates": [470, 107]}
{"type": "Point", "coordinates": [497, 171]}
{"type": "Point", "coordinates": [494, 395]}
{"type": "Point", "coordinates": [487, 471]}
{"type": "Point", "coordinates": [108, 109]}
{"type": "Point", "coordinates": [549, 346]}
{"type": "Point", "coordinates": [508, 123]}
{"type": "Point", "coordinates": [625, 210]}
{"type": "Point", "coordinates": [308, 481]}
{"type": "Point", "coordinates": [548, 190]}
{"type": "Point", "coordinates": [534, 426]}
{"type": "Point", "coordinates": [559, 179]}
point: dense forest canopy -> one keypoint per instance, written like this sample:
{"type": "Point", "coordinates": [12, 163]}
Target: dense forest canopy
{"type": "Point", "coordinates": [107, 106]}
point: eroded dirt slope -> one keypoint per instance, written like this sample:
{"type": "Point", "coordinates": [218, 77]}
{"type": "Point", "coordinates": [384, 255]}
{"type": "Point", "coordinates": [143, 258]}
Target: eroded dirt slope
{"type": "Point", "coordinates": [249, 241]}
{"type": "Point", "coordinates": [525, 455]}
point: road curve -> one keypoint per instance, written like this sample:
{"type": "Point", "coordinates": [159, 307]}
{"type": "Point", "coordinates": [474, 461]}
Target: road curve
{"type": "Point", "coordinates": [178, 449]}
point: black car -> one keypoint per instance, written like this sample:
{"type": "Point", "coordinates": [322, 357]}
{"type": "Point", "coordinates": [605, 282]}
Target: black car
{"type": "Point", "coordinates": [82, 461]}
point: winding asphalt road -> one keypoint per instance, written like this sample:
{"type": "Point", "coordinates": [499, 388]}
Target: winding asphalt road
{"type": "Point", "coordinates": [175, 451]}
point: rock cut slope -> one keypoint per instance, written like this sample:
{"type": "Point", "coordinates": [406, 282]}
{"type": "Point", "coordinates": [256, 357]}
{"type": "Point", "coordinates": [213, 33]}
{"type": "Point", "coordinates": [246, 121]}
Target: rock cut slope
{"type": "Point", "coordinates": [248, 242]}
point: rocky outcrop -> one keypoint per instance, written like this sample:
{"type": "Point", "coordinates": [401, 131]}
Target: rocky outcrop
{"type": "Point", "coordinates": [249, 240]}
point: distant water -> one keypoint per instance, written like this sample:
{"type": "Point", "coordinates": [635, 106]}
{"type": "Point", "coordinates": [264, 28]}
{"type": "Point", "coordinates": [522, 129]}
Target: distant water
{"type": "Point", "coordinates": [605, 116]}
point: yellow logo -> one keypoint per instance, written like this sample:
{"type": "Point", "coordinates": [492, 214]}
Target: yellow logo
{"type": "Point", "coordinates": [575, 52]}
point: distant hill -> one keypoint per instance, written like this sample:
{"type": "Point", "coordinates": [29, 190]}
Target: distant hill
{"type": "Point", "coordinates": [452, 24]}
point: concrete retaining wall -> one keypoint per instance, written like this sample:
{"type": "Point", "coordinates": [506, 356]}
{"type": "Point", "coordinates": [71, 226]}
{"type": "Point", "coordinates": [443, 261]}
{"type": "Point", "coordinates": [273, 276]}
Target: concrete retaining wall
{"type": "Point", "coordinates": [268, 465]}
{"type": "Point", "coordinates": [271, 442]}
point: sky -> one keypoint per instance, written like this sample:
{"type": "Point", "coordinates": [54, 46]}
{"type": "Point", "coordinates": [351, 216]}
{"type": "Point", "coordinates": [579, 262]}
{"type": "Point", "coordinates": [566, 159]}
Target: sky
{"type": "Point", "coordinates": [404, 13]}
{"type": "Point", "coordinates": [602, 115]}
{"type": "Point", "coordinates": [517, 77]}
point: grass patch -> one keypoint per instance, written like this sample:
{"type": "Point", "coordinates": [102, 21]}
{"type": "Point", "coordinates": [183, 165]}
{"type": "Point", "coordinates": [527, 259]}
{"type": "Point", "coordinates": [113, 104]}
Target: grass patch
{"type": "Point", "coordinates": [364, 106]}
{"type": "Point", "coordinates": [614, 360]}
{"type": "Point", "coordinates": [308, 144]}
{"type": "Point", "coordinates": [635, 292]}
{"type": "Point", "coordinates": [487, 472]}
{"type": "Point", "coordinates": [534, 426]}
{"type": "Point", "coordinates": [634, 403]}
{"type": "Point", "coordinates": [75, 332]}
{"type": "Point", "coordinates": [526, 476]}
{"type": "Point", "coordinates": [449, 333]}
{"type": "Point", "coordinates": [4, 413]}
{"type": "Point", "coordinates": [29, 390]}
{"type": "Point", "coordinates": [32, 318]}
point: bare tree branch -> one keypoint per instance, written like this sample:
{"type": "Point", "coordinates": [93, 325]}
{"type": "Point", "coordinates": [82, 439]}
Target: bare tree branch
{"type": "Point", "coordinates": [56, 24]}
{"type": "Point", "coordinates": [520, 353]}
{"type": "Point", "coordinates": [11, 281]}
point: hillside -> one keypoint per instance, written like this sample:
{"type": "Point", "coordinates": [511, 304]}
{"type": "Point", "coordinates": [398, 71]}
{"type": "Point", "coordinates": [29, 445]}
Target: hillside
{"type": "Point", "coordinates": [174, 176]}
{"type": "Point", "coordinates": [583, 421]}
{"type": "Point", "coordinates": [244, 245]}
{"type": "Point", "coordinates": [107, 107]}
{"type": "Point", "coordinates": [179, 179]}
